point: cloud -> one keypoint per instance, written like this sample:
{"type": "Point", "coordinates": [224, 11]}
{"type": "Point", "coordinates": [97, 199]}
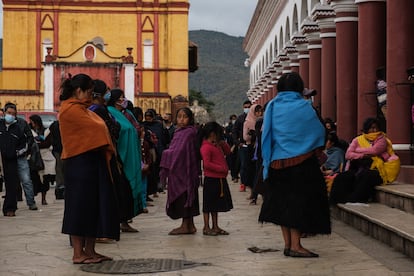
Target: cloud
{"type": "Point", "coordinates": [228, 16]}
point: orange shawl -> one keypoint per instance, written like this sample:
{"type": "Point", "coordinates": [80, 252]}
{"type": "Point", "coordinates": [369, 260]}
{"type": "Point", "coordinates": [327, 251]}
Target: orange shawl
{"type": "Point", "coordinates": [82, 130]}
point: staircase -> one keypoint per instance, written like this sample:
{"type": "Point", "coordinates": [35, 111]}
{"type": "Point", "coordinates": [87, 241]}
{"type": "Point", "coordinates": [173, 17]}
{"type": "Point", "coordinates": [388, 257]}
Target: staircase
{"type": "Point", "coordinates": [391, 218]}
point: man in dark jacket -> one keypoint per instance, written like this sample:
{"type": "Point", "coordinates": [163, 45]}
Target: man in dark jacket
{"type": "Point", "coordinates": [12, 146]}
{"type": "Point", "coordinates": [23, 165]}
{"type": "Point", "coordinates": [240, 143]}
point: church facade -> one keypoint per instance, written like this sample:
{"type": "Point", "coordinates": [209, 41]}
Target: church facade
{"type": "Point", "coordinates": [140, 46]}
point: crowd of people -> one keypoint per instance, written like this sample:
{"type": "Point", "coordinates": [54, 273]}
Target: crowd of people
{"type": "Point", "coordinates": [108, 157]}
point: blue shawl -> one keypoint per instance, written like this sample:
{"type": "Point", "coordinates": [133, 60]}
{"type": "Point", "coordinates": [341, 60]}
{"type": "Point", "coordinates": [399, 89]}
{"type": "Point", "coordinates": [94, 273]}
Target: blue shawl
{"type": "Point", "coordinates": [291, 128]}
{"type": "Point", "coordinates": [130, 154]}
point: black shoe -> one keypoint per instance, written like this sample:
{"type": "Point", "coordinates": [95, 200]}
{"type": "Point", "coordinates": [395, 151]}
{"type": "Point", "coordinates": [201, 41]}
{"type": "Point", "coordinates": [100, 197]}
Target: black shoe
{"type": "Point", "coordinates": [60, 194]}
{"type": "Point", "coordinates": [286, 252]}
{"type": "Point", "coordinates": [308, 254]}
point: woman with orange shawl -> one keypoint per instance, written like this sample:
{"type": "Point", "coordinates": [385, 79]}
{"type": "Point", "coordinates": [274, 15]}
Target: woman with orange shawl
{"type": "Point", "coordinates": [90, 205]}
{"type": "Point", "coordinates": [372, 163]}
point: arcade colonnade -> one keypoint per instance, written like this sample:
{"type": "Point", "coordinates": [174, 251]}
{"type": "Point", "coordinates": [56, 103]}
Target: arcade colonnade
{"type": "Point", "coordinates": [336, 46]}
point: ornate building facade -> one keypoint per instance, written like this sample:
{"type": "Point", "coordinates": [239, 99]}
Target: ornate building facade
{"type": "Point", "coordinates": [140, 46]}
{"type": "Point", "coordinates": [337, 46]}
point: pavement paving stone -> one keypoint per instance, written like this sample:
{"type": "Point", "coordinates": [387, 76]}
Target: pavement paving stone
{"type": "Point", "coordinates": [32, 244]}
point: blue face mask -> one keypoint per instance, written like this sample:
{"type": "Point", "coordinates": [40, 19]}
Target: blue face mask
{"type": "Point", "coordinates": [107, 97]}
{"type": "Point", "coordinates": [246, 110]}
{"type": "Point", "coordinates": [9, 118]}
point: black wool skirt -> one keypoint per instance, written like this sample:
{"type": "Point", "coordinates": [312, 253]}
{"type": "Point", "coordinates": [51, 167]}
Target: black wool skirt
{"type": "Point", "coordinates": [216, 195]}
{"type": "Point", "coordinates": [296, 197]}
{"type": "Point", "coordinates": [91, 208]}
{"type": "Point", "coordinates": [177, 210]}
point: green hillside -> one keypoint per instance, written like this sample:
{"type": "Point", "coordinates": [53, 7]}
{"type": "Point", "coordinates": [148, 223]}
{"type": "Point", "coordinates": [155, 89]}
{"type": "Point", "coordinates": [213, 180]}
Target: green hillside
{"type": "Point", "coordinates": [221, 76]}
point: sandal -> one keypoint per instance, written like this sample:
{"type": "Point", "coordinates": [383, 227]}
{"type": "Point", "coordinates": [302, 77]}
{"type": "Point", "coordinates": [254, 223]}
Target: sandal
{"type": "Point", "coordinates": [209, 232]}
{"type": "Point", "coordinates": [221, 232]}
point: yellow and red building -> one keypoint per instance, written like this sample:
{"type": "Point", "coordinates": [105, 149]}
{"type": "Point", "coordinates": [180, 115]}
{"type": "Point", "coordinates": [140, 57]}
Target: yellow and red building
{"type": "Point", "coordinates": [140, 46]}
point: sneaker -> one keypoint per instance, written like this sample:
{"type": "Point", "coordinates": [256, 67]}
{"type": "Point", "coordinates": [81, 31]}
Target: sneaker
{"type": "Point", "coordinates": [33, 207]}
{"type": "Point", "coordinates": [242, 188]}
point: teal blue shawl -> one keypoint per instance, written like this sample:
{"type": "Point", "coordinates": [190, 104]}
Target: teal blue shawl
{"type": "Point", "coordinates": [130, 154]}
{"type": "Point", "coordinates": [291, 127]}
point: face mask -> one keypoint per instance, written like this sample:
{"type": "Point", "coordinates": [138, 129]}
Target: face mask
{"type": "Point", "coordinates": [9, 118]}
{"type": "Point", "coordinates": [233, 121]}
{"type": "Point", "coordinates": [124, 104]}
{"type": "Point", "coordinates": [107, 97]}
{"type": "Point", "coordinates": [246, 110]}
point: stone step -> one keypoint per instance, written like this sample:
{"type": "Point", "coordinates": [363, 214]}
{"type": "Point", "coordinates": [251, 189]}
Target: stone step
{"type": "Point", "coordinates": [389, 225]}
{"type": "Point", "coordinates": [406, 174]}
{"type": "Point", "coordinates": [397, 195]}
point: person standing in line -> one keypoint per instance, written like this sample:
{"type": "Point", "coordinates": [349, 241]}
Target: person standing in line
{"type": "Point", "coordinates": [44, 177]}
{"type": "Point", "coordinates": [296, 196]}
{"type": "Point", "coordinates": [169, 126]}
{"type": "Point", "coordinates": [180, 164]}
{"type": "Point", "coordinates": [12, 146]}
{"type": "Point", "coordinates": [249, 135]}
{"type": "Point", "coordinates": [56, 142]}
{"type": "Point", "coordinates": [23, 165]}
{"type": "Point", "coordinates": [87, 150]}
{"type": "Point", "coordinates": [121, 189]}
{"type": "Point", "coordinates": [232, 157]}
{"type": "Point", "coordinates": [241, 144]}
{"type": "Point", "coordinates": [129, 151]}
{"type": "Point", "coordinates": [216, 192]}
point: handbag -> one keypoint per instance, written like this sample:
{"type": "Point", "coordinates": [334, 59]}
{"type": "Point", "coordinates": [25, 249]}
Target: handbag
{"type": "Point", "coordinates": [35, 160]}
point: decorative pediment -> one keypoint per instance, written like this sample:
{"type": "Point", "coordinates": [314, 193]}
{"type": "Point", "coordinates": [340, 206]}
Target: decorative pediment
{"type": "Point", "coordinates": [91, 53]}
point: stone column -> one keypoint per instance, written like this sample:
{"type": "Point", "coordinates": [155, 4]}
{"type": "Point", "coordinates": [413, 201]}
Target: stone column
{"type": "Point", "coordinates": [324, 15]}
{"type": "Point", "coordinates": [311, 31]}
{"type": "Point", "coordinates": [129, 82]}
{"type": "Point", "coordinates": [400, 56]}
{"type": "Point", "coordinates": [48, 103]}
{"type": "Point", "coordinates": [371, 54]}
{"type": "Point", "coordinates": [346, 67]}
{"type": "Point", "coordinates": [301, 44]}
{"type": "Point", "coordinates": [48, 80]}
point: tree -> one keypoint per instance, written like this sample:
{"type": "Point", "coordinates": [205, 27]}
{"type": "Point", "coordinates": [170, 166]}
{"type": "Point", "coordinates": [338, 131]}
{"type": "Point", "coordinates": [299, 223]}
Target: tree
{"type": "Point", "coordinates": [202, 101]}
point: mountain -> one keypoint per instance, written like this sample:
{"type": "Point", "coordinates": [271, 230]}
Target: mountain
{"type": "Point", "coordinates": [221, 76]}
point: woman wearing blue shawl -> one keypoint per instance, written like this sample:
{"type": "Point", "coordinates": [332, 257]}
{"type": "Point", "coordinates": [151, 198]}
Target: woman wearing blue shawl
{"type": "Point", "coordinates": [296, 196]}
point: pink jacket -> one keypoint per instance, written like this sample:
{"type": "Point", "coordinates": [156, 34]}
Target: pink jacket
{"type": "Point", "coordinates": [214, 161]}
{"type": "Point", "coordinates": [378, 148]}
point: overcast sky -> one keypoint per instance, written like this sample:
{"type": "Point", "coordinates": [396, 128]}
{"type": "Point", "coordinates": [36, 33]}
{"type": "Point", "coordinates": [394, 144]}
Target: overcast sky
{"type": "Point", "coordinates": [228, 16]}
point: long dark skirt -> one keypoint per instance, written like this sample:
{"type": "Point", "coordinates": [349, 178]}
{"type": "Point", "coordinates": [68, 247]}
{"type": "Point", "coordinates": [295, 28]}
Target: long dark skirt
{"type": "Point", "coordinates": [123, 190]}
{"type": "Point", "coordinates": [177, 210]}
{"type": "Point", "coordinates": [216, 195]}
{"type": "Point", "coordinates": [353, 186]}
{"type": "Point", "coordinates": [90, 204]}
{"type": "Point", "coordinates": [296, 197]}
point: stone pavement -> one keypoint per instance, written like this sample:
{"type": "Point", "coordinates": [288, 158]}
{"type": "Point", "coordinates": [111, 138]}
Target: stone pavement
{"type": "Point", "coordinates": [31, 244]}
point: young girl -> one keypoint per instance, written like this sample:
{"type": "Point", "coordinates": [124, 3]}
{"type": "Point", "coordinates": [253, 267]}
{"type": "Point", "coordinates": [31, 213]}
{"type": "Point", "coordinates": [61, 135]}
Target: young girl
{"type": "Point", "coordinates": [180, 163]}
{"type": "Point", "coordinates": [216, 192]}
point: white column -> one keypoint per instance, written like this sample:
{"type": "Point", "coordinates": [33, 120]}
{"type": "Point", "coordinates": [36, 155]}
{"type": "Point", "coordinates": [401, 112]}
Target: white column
{"type": "Point", "coordinates": [129, 81]}
{"type": "Point", "coordinates": [49, 88]}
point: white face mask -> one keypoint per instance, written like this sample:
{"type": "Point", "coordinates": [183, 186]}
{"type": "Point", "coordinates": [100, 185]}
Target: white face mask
{"type": "Point", "coordinates": [233, 121]}
{"type": "Point", "coordinates": [246, 110]}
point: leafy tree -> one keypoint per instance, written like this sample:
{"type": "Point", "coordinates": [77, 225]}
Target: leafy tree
{"type": "Point", "coordinates": [202, 101]}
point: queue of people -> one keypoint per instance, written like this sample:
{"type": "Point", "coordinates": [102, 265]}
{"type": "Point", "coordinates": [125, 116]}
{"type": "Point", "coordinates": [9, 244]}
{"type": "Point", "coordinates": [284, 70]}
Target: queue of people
{"type": "Point", "coordinates": [113, 157]}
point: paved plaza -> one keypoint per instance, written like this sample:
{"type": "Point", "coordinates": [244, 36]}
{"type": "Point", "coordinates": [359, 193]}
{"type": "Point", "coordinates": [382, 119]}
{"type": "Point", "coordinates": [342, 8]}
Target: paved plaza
{"type": "Point", "coordinates": [31, 244]}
